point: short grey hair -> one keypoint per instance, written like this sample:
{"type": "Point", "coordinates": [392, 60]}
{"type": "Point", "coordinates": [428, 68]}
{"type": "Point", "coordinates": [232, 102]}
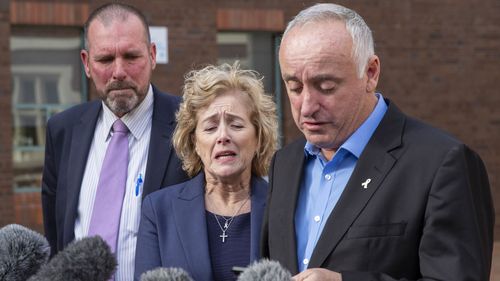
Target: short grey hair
{"type": "Point", "coordinates": [110, 12]}
{"type": "Point", "coordinates": [362, 39]}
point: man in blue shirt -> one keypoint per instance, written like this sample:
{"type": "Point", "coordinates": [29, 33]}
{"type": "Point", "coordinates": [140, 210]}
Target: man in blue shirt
{"type": "Point", "coordinates": [370, 193]}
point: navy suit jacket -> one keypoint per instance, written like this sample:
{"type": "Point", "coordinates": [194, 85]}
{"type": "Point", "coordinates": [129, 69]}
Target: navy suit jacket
{"type": "Point", "coordinates": [173, 229]}
{"type": "Point", "coordinates": [68, 140]}
{"type": "Point", "coordinates": [426, 214]}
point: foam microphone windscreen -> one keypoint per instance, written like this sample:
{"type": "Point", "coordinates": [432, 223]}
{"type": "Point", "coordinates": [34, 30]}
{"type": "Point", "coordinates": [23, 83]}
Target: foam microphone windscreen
{"type": "Point", "coordinates": [22, 252]}
{"type": "Point", "coordinates": [265, 270]}
{"type": "Point", "coordinates": [87, 259]}
{"type": "Point", "coordinates": [166, 274]}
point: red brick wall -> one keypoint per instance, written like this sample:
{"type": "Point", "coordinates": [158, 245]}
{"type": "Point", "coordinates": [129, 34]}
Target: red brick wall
{"type": "Point", "coordinates": [6, 199]}
{"type": "Point", "coordinates": [28, 210]}
{"type": "Point", "coordinates": [48, 13]}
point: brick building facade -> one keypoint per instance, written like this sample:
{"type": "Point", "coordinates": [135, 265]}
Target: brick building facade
{"type": "Point", "coordinates": [440, 63]}
{"type": "Point", "coordinates": [6, 193]}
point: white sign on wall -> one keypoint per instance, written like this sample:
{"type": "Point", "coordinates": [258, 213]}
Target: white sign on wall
{"type": "Point", "coordinates": [159, 35]}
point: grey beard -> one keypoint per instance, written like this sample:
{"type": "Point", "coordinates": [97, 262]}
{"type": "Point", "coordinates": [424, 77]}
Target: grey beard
{"type": "Point", "coordinates": [119, 107]}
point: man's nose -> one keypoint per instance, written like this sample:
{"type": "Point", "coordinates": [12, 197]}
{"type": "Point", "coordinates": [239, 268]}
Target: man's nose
{"type": "Point", "coordinates": [119, 72]}
{"type": "Point", "coordinates": [310, 103]}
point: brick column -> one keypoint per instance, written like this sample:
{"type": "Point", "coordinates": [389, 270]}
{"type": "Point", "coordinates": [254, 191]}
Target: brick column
{"type": "Point", "coordinates": [6, 191]}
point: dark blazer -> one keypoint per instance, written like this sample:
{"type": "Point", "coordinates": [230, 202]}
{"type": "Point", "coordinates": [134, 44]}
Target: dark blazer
{"type": "Point", "coordinates": [69, 136]}
{"type": "Point", "coordinates": [173, 229]}
{"type": "Point", "coordinates": [426, 214]}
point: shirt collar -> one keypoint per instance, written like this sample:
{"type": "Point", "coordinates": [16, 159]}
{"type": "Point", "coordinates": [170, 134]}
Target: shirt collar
{"type": "Point", "coordinates": [356, 143]}
{"type": "Point", "coordinates": [136, 120]}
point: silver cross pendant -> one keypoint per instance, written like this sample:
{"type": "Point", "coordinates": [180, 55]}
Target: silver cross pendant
{"type": "Point", "coordinates": [223, 236]}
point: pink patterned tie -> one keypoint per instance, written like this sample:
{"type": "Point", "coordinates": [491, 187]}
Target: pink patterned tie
{"type": "Point", "coordinates": [105, 220]}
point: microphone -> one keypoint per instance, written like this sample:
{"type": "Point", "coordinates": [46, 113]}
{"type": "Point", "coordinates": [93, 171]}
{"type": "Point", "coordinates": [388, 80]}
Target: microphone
{"type": "Point", "coordinates": [22, 252]}
{"type": "Point", "coordinates": [265, 270]}
{"type": "Point", "coordinates": [166, 274]}
{"type": "Point", "coordinates": [87, 259]}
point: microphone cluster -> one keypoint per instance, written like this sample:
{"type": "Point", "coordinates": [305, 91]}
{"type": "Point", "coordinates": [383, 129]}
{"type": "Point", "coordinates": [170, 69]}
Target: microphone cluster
{"type": "Point", "coordinates": [24, 255]}
{"type": "Point", "coordinates": [22, 252]}
{"type": "Point", "coordinates": [166, 274]}
{"type": "Point", "coordinates": [263, 270]}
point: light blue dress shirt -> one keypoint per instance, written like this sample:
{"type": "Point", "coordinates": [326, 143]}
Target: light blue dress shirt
{"type": "Point", "coordinates": [324, 181]}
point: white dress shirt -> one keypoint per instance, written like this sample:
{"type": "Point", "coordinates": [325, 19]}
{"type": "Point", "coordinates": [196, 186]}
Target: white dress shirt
{"type": "Point", "coordinates": [138, 122]}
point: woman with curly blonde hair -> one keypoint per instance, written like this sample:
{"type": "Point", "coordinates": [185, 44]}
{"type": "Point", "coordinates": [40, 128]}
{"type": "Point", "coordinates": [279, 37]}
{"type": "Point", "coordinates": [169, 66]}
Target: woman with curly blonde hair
{"type": "Point", "coordinates": [225, 137]}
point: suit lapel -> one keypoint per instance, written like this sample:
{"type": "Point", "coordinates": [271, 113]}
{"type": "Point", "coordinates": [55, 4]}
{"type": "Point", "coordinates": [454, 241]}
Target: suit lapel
{"type": "Point", "coordinates": [288, 181]}
{"type": "Point", "coordinates": [82, 136]}
{"type": "Point", "coordinates": [160, 146]}
{"type": "Point", "coordinates": [259, 191]}
{"type": "Point", "coordinates": [189, 214]}
{"type": "Point", "coordinates": [374, 164]}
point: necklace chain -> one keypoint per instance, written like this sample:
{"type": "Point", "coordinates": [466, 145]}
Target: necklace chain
{"type": "Point", "coordinates": [228, 222]}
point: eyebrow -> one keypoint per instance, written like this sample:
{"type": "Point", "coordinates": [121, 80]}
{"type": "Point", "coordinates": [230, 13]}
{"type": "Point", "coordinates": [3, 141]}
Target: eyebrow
{"type": "Point", "coordinates": [314, 79]}
{"type": "Point", "coordinates": [133, 52]}
{"type": "Point", "coordinates": [287, 77]}
{"type": "Point", "coordinates": [99, 56]}
{"type": "Point", "coordinates": [325, 77]}
{"type": "Point", "coordinates": [106, 53]}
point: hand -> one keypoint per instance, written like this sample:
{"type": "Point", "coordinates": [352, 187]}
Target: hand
{"type": "Point", "coordinates": [317, 274]}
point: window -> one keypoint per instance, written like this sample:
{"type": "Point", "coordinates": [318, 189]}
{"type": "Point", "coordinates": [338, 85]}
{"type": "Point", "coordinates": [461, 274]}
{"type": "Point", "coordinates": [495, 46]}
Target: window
{"type": "Point", "coordinates": [254, 50]}
{"type": "Point", "coordinates": [46, 79]}
{"type": "Point", "coordinates": [257, 51]}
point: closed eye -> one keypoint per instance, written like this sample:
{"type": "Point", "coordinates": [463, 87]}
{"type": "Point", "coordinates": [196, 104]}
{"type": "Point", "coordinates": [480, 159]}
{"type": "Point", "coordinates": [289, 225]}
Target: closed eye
{"type": "Point", "coordinates": [294, 86]}
{"type": "Point", "coordinates": [105, 59]}
{"type": "Point", "coordinates": [328, 90]}
{"type": "Point", "coordinates": [325, 84]}
{"type": "Point", "coordinates": [237, 126]}
{"type": "Point", "coordinates": [210, 129]}
{"type": "Point", "coordinates": [295, 90]}
{"type": "Point", "coordinates": [131, 56]}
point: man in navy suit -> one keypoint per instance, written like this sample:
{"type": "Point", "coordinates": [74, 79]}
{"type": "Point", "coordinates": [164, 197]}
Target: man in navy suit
{"type": "Point", "coordinates": [370, 193]}
{"type": "Point", "coordinates": [119, 58]}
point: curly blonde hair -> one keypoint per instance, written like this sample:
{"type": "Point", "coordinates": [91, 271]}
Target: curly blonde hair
{"type": "Point", "coordinates": [201, 87]}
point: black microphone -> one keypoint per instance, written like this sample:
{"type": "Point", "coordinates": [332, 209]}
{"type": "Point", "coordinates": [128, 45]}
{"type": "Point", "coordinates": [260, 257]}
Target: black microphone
{"type": "Point", "coordinates": [22, 252]}
{"type": "Point", "coordinates": [166, 274]}
{"type": "Point", "coordinates": [87, 259]}
{"type": "Point", "coordinates": [265, 270]}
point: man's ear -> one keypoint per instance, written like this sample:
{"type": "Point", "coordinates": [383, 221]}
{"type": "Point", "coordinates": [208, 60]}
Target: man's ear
{"type": "Point", "coordinates": [372, 73]}
{"type": "Point", "coordinates": [84, 55]}
{"type": "Point", "coordinates": [152, 51]}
